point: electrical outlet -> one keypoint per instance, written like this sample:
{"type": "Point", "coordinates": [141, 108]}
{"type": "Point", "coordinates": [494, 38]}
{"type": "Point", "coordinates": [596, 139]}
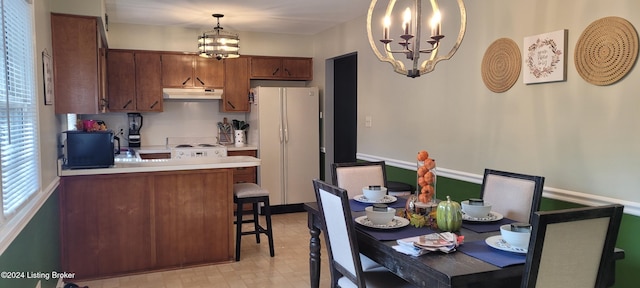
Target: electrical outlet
{"type": "Point", "coordinates": [367, 121]}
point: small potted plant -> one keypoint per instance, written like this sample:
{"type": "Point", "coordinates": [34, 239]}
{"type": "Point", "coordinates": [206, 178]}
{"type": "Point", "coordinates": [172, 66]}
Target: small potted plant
{"type": "Point", "coordinates": [239, 128]}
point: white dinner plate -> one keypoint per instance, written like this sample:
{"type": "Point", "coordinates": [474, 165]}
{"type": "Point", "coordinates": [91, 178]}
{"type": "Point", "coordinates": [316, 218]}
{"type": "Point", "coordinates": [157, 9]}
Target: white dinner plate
{"type": "Point", "coordinates": [493, 216]}
{"type": "Point", "coordinates": [397, 222]}
{"type": "Point", "coordinates": [384, 200]}
{"type": "Point", "coordinates": [498, 243]}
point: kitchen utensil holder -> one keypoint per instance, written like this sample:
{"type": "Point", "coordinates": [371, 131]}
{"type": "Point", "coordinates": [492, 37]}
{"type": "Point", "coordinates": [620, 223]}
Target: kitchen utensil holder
{"type": "Point", "coordinates": [225, 137]}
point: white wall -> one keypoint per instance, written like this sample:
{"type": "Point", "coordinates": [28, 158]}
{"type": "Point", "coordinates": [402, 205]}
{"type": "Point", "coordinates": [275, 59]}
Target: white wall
{"type": "Point", "coordinates": [579, 136]}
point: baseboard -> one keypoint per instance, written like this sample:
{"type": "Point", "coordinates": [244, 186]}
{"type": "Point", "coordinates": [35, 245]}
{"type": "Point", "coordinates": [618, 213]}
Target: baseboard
{"type": "Point", "coordinates": [287, 208]}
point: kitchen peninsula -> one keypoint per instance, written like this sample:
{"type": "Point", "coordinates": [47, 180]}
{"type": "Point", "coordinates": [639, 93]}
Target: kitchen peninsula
{"type": "Point", "coordinates": [151, 215]}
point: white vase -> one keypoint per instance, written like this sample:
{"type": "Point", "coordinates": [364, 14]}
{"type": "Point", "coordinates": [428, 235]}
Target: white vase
{"type": "Point", "coordinates": [239, 138]}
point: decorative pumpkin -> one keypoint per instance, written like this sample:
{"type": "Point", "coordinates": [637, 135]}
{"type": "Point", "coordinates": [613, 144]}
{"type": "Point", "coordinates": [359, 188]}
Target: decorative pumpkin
{"type": "Point", "coordinates": [449, 215]}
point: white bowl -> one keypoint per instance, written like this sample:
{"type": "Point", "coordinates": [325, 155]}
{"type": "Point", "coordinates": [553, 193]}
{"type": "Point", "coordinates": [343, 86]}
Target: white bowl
{"type": "Point", "coordinates": [515, 239]}
{"type": "Point", "coordinates": [476, 211]}
{"type": "Point", "coordinates": [380, 217]}
{"type": "Point", "coordinates": [374, 194]}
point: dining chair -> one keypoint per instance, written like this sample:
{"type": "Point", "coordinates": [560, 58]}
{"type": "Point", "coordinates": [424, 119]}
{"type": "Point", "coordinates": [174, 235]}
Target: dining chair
{"type": "Point", "coordinates": [342, 244]}
{"type": "Point", "coordinates": [572, 247]}
{"type": "Point", "coordinates": [515, 196]}
{"type": "Point", "coordinates": [352, 176]}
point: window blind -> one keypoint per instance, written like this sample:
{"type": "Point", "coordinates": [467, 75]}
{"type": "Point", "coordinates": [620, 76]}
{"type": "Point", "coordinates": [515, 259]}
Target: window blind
{"type": "Point", "coordinates": [18, 107]}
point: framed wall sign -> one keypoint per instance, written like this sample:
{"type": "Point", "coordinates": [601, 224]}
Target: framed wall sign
{"type": "Point", "coordinates": [545, 57]}
{"type": "Point", "coordinates": [47, 77]}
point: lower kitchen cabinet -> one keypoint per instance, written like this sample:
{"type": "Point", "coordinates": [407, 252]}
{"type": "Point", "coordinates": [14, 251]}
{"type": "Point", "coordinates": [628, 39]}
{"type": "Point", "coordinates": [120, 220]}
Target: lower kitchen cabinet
{"type": "Point", "coordinates": [199, 230]}
{"type": "Point", "coordinates": [244, 174]}
{"type": "Point", "coordinates": [126, 223]}
{"type": "Point", "coordinates": [105, 225]}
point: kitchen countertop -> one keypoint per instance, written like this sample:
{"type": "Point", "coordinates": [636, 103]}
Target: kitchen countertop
{"type": "Point", "coordinates": [165, 165]}
{"type": "Point", "coordinates": [156, 165]}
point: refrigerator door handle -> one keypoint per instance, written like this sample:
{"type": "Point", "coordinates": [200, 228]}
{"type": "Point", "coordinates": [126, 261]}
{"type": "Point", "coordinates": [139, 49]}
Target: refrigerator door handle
{"type": "Point", "coordinates": [280, 128]}
{"type": "Point", "coordinates": [285, 117]}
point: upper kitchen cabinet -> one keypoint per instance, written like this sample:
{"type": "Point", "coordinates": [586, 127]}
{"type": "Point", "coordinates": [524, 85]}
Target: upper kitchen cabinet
{"type": "Point", "coordinates": [79, 64]}
{"type": "Point", "coordinates": [134, 79]}
{"type": "Point", "coordinates": [281, 68]}
{"type": "Point", "coordinates": [190, 70]}
{"type": "Point", "coordinates": [236, 85]}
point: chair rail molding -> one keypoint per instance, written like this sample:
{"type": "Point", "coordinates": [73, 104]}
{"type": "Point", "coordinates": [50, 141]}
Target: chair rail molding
{"type": "Point", "coordinates": [631, 208]}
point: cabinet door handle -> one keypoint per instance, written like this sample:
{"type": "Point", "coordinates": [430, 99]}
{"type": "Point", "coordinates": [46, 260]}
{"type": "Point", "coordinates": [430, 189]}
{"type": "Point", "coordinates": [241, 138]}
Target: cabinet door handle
{"type": "Point", "coordinates": [228, 102]}
{"type": "Point", "coordinates": [275, 71]}
{"type": "Point", "coordinates": [200, 81]}
{"type": "Point", "coordinates": [154, 104]}
{"type": "Point", "coordinates": [125, 105]}
{"type": "Point", "coordinates": [287, 70]}
{"type": "Point", "coordinates": [185, 81]}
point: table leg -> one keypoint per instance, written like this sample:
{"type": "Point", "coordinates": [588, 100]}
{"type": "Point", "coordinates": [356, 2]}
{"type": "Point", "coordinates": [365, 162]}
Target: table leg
{"type": "Point", "coordinates": [314, 255]}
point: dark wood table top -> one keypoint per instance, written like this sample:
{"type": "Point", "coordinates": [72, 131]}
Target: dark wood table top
{"type": "Point", "coordinates": [438, 269]}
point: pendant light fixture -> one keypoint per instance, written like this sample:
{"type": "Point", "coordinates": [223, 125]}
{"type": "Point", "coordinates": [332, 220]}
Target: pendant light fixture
{"type": "Point", "coordinates": [410, 37]}
{"type": "Point", "coordinates": [218, 43]}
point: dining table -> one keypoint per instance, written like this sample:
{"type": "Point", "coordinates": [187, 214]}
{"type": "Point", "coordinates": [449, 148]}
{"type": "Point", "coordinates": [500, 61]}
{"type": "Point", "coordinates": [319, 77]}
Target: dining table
{"type": "Point", "coordinates": [474, 264]}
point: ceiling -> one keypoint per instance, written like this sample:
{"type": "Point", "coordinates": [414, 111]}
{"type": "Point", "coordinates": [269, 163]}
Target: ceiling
{"type": "Point", "coordinates": [305, 17]}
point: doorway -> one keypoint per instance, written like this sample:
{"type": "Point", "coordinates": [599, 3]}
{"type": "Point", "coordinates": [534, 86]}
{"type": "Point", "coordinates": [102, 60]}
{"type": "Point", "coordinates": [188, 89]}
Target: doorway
{"type": "Point", "coordinates": [341, 115]}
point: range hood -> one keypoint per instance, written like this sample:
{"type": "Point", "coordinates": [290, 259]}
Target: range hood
{"type": "Point", "coordinates": [191, 94]}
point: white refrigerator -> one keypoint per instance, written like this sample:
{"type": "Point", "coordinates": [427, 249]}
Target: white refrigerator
{"type": "Point", "coordinates": [284, 126]}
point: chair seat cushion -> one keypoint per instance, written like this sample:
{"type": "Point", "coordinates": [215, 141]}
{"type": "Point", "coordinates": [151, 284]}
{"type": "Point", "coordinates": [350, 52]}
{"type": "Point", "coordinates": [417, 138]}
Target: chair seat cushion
{"type": "Point", "coordinates": [246, 190]}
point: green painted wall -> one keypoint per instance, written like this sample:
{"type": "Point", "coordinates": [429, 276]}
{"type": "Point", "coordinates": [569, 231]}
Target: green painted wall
{"type": "Point", "coordinates": [626, 269]}
{"type": "Point", "coordinates": [36, 249]}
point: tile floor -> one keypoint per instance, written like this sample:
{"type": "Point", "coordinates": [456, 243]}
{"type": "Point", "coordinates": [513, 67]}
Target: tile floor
{"type": "Point", "coordinates": [289, 267]}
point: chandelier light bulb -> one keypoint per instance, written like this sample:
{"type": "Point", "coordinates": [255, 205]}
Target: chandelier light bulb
{"type": "Point", "coordinates": [407, 22]}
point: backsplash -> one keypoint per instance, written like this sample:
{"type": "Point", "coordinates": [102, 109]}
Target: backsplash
{"type": "Point", "coordinates": [179, 119]}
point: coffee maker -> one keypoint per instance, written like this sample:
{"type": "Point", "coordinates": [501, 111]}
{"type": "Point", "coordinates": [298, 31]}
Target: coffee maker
{"type": "Point", "coordinates": [135, 124]}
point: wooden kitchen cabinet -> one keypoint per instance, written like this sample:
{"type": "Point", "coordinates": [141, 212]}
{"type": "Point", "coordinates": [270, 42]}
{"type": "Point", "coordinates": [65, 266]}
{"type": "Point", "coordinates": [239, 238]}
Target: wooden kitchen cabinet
{"type": "Point", "coordinates": [126, 223]}
{"type": "Point", "coordinates": [191, 71]}
{"type": "Point", "coordinates": [281, 68]}
{"type": "Point", "coordinates": [134, 81]}
{"type": "Point", "coordinates": [236, 85]}
{"type": "Point", "coordinates": [244, 174]}
{"type": "Point", "coordinates": [79, 64]}
{"type": "Point", "coordinates": [105, 230]}
{"type": "Point", "coordinates": [193, 217]}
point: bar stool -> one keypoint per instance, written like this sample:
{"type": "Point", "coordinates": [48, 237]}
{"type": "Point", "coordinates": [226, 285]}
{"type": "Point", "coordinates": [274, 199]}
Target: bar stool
{"type": "Point", "coordinates": [254, 194]}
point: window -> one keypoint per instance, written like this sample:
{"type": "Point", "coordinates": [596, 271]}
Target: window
{"type": "Point", "coordinates": [18, 108]}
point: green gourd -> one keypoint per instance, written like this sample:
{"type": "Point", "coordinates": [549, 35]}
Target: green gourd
{"type": "Point", "coordinates": [449, 215]}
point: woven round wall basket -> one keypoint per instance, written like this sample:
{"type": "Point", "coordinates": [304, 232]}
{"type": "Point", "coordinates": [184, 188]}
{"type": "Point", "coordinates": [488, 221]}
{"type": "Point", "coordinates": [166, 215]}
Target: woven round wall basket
{"type": "Point", "coordinates": [501, 65]}
{"type": "Point", "coordinates": [606, 51]}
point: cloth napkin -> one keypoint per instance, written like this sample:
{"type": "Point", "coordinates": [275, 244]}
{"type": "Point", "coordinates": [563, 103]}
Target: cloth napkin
{"type": "Point", "coordinates": [480, 250]}
{"type": "Point", "coordinates": [395, 234]}
{"type": "Point", "coordinates": [359, 206]}
{"type": "Point", "coordinates": [482, 227]}
{"type": "Point", "coordinates": [415, 246]}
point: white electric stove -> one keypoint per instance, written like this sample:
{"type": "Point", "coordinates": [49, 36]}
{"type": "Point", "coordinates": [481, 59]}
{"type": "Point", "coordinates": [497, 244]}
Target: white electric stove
{"type": "Point", "coordinates": [195, 147]}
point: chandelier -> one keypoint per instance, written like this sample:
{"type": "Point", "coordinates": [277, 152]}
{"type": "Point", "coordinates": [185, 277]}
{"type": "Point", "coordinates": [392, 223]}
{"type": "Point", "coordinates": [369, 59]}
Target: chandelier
{"type": "Point", "coordinates": [217, 43]}
{"type": "Point", "coordinates": [410, 38]}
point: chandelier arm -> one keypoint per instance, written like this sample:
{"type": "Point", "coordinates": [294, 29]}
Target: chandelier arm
{"type": "Point", "coordinates": [398, 66]}
{"type": "Point", "coordinates": [428, 65]}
